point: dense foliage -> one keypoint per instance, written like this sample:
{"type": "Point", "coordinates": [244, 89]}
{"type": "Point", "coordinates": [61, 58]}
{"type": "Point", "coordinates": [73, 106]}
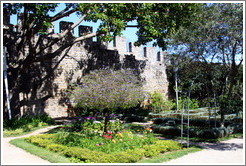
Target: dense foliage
{"type": "Point", "coordinates": [18, 126]}
{"type": "Point", "coordinates": [214, 40]}
{"type": "Point", "coordinates": [158, 103]}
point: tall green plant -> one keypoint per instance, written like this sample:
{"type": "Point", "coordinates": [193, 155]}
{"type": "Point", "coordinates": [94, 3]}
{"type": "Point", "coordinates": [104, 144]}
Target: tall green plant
{"type": "Point", "coordinates": [158, 103]}
{"type": "Point", "coordinates": [108, 90]}
{"type": "Point", "coordinates": [193, 104]}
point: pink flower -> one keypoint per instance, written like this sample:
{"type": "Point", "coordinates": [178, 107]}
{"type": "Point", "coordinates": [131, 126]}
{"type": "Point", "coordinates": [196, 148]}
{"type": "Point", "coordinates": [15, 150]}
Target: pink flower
{"type": "Point", "coordinates": [128, 140]}
{"type": "Point", "coordinates": [118, 132]}
{"type": "Point", "coordinates": [109, 137]}
{"type": "Point", "coordinates": [97, 144]}
{"type": "Point", "coordinates": [101, 143]}
{"type": "Point", "coordinates": [120, 139]}
{"type": "Point", "coordinates": [104, 136]}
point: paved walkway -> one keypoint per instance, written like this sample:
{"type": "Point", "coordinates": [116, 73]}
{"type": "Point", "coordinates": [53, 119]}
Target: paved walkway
{"type": "Point", "coordinates": [223, 153]}
{"type": "Point", "coordinates": [14, 155]}
{"type": "Point", "coordinates": [226, 152]}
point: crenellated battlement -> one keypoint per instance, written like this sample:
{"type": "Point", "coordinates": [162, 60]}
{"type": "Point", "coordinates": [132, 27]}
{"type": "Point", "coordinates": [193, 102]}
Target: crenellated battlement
{"type": "Point", "coordinates": [119, 43]}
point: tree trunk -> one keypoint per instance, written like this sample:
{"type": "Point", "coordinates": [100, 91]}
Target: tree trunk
{"type": "Point", "coordinates": [106, 119]}
{"type": "Point", "coordinates": [222, 115]}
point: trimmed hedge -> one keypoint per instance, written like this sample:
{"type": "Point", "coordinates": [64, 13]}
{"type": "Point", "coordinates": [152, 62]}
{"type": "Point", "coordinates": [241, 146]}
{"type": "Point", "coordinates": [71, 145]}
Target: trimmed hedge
{"type": "Point", "coordinates": [193, 122]}
{"type": "Point", "coordinates": [86, 155]}
{"type": "Point", "coordinates": [212, 133]}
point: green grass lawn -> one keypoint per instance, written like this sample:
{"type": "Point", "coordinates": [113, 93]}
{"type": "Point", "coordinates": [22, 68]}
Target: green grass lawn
{"type": "Point", "coordinates": [20, 131]}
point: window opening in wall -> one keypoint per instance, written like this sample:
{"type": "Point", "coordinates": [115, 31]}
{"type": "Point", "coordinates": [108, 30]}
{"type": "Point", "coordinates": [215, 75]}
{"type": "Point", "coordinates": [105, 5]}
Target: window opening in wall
{"type": "Point", "coordinates": [130, 46]}
{"type": "Point", "coordinates": [114, 42]}
{"type": "Point", "coordinates": [145, 52]}
{"type": "Point", "coordinates": [159, 56]}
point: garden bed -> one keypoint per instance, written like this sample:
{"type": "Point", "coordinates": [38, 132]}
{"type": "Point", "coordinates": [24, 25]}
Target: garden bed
{"type": "Point", "coordinates": [112, 148]}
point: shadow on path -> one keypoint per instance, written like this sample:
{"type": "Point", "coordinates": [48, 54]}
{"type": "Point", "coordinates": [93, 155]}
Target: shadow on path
{"type": "Point", "coordinates": [227, 145]}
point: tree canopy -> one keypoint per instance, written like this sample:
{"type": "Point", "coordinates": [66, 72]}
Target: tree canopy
{"type": "Point", "coordinates": [216, 36]}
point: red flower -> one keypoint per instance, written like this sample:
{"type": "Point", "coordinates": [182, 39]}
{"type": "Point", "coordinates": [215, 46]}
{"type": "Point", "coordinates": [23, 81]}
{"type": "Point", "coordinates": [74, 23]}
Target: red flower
{"type": "Point", "coordinates": [128, 140]}
{"type": "Point", "coordinates": [109, 133]}
{"type": "Point", "coordinates": [62, 127]}
{"type": "Point", "coordinates": [105, 136]}
{"type": "Point", "coordinates": [109, 137]}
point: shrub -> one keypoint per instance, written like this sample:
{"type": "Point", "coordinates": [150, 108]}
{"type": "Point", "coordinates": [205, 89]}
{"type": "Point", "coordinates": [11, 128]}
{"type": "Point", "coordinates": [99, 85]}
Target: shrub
{"type": "Point", "coordinates": [94, 123]}
{"type": "Point", "coordinates": [235, 128]}
{"type": "Point", "coordinates": [168, 130]}
{"type": "Point", "coordinates": [193, 104]}
{"type": "Point", "coordinates": [158, 103]}
{"type": "Point", "coordinates": [18, 126]}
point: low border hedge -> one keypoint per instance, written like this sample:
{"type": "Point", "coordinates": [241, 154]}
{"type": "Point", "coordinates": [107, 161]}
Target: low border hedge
{"type": "Point", "coordinates": [89, 156]}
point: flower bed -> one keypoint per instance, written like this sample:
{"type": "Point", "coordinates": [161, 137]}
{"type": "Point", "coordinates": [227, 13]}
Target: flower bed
{"type": "Point", "coordinates": [120, 147]}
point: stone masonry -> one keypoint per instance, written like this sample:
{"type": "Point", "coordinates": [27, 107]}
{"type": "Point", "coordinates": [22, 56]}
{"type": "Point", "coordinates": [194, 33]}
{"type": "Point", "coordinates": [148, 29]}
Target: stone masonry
{"type": "Point", "coordinates": [88, 55]}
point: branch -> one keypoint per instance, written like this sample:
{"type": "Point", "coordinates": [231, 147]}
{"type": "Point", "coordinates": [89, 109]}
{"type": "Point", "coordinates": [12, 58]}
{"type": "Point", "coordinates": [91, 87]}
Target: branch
{"type": "Point", "coordinates": [86, 37]}
{"type": "Point", "coordinates": [132, 26]}
{"type": "Point", "coordinates": [62, 14]}
{"type": "Point", "coordinates": [61, 35]}
{"type": "Point", "coordinates": [58, 15]}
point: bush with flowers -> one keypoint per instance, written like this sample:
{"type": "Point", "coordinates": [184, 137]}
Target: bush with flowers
{"type": "Point", "coordinates": [107, 90]}
{"type": "Point", "coordinates": [94, 124]}
{"type": "Point", "coordinates": [108, 142]}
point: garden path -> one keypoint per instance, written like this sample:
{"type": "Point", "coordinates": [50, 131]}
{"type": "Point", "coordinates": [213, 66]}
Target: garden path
{"type": "Point", "coordinates": [223, 153]}
{"type": "Point", "coordinates": [11, 154]}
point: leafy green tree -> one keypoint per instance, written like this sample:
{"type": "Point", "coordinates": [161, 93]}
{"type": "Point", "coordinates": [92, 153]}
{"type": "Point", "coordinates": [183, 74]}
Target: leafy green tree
{"type": "Point", "coordinates": [31, 46]}
{"type": "Point", "coordinates": [216, 36]}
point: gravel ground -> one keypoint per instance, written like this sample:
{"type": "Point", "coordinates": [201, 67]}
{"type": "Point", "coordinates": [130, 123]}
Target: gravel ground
{"type": "Point", "coordinates": [226, 152]}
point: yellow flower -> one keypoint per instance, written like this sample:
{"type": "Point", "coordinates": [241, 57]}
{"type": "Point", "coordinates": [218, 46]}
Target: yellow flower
{"type": "Point", "coordinates": [137, 130]}
{"type": "Point", "coordinates": [146, 132]}
{"type": "Point", "coordinates": [113, 140]}
{"type": "Point", "coordinates": [121, 135]}
{"type": "Point", "coordinates": [148, 129]}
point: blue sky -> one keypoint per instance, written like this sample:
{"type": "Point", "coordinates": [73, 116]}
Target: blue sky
{"type": "Point", "coordinates": [129, 33]}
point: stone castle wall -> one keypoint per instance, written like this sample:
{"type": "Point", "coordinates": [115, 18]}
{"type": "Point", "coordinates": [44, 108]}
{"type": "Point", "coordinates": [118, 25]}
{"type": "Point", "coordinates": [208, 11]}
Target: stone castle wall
{"type": "Point", "coordinates": [85, 56]}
